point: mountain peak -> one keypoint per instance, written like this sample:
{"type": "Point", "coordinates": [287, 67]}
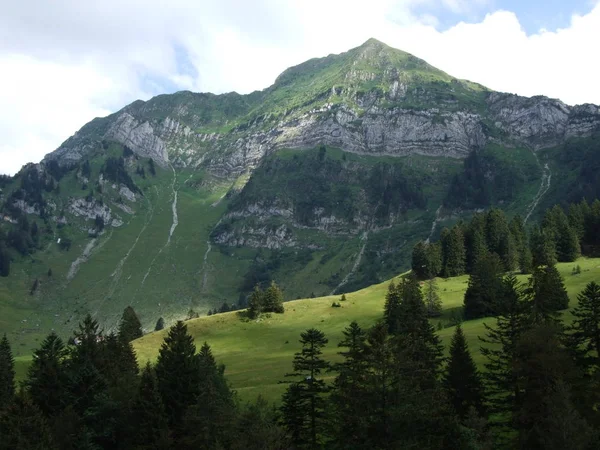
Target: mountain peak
{"type": "Point", "coordinates": [372, 42]}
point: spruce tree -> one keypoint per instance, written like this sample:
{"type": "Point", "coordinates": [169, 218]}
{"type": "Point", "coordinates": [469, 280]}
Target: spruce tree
{"type": "Point", "coordinates": [475, 244]}
{"type": "Point", "coordinates": [546, 417]}
{"type": "Point", "coordinates": [586, 326]}
{"type": "Point", "coordinates": [4, 260]}
{"type": "Point", "coordinates": [149, 427]}
{"type": "Point", "coordinates": [24, 427]}
{"type": "Point", "coordinates": [419, 259]}
{"type": "Point", "coordinates": [461, 379]}
{"type": "Point", "coordinates": [564, 236]}
{"type": "Point", "coordinates": [390, 308]}
{"type": "Point", "coordinates": [208, 423]}
{"type": "Point", "coordinates": [349, 391]}
{"type": "Point", "coordinates": [484, 291]}
{"type": "Point", "coordinates": [47, 377]}
{"type": "Point", "coordinates": [453, 250]}
{"type": "Point", "coordinates": [273, 299]}
{"type": "Point", "coordinates": [434, 260]}
{"type": "Point", "coordinates": [88, 389]}
{"type": "Point", "coordinates": [503, 383]}
{"type": "Point", "coordinates": [577, 219]}
{"type": "Point", "coordinates": [416, 336]}
{"type": "Point", "coordinates": [7, 373]}
{"type": "Point", "coordinates": [130, 327]}
{"type": "Point", "coordinates": [548, 293]}
{"type": "Point", "coordinates": [497, 236]}
{"type": "Point", "coordinates": [160, 324]}
{"type": "Point", "coordinates": [431, 296]}
{"type": "Point", "coordinates": [256, 302]}
{"type": "Point", "coordinates": [542, 246]}
{"type": "Point", "coordinates": [257, 428]}
{"type": "Point", "coordinates": [178, 373]}
{"type": "Point", "coordinates": [380, 385]}
{"type": "Point", "coordinates": [307, 394]}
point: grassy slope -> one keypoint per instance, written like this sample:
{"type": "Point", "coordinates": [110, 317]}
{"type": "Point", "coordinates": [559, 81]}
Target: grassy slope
{"type": "Point", "coordinates": [257, 354]}
{"type": "Point", "coordinates": [112, 277]}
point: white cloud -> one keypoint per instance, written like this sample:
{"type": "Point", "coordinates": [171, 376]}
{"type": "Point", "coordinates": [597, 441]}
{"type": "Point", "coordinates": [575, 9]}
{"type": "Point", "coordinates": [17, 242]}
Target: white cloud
{"type": "Point", "coordinates": [63, 63]}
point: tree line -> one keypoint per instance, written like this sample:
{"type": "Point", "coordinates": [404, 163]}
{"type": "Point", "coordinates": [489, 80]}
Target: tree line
{"type": "Point", "coordinates": [561, 236]}
{"type": "Point", "coordinates": [392, 387]}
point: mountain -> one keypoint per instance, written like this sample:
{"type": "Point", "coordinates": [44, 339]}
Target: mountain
{"type": "Point", "coordinates": [323, 182]}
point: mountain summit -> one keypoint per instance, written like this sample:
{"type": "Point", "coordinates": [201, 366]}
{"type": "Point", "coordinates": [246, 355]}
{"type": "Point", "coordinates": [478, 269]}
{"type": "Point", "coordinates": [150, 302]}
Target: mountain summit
{"type": "Point", "coordinates": [322, 182]}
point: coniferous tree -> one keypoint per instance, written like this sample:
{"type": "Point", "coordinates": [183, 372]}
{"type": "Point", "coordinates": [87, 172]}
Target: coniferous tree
{"type": "Point", "coordinates": [434, 260]}
{"type": "Point", "coordinates": [47, 377]}
{"type": "Point", "coordinates": [431, 296]}
{"type": "Point", "coordinates": [564, 237]}
{"type": "Point", "coordinates": [548, 293]}
{"type": "Point", "coordinates": [453, 250]}
{"type": "Point", "coordinates": [24, 427]}
{"type": "Point", "coordinates": [517, 230]}
{"type": "Point", "coordinates": [484, 292]}
{"type": "Point", "coordinates": [87, 388]}
{"type": "Point", "coordinates": [586, 326]}
{"type": "Point", "coordinates": [119, 367]}
{"type": "Point", "coordinates": [380, 385]}
{"type": "Point", "coordinates": [257, 428]}
{"type": "Point", "coordinates": [349, 392]}
{"type": "Point", "coordinates": [462, 380]}
{"type": "Point", "coordinates": [7, 373]}
{"type": "Point", "coordinates": [209, 421]}
{"type": "Point", "coordinates": [391, 306]}
{"type": "Point", "coordinates": [273, 299]}
{"type": "Point", "coordinates": [475, 244]}
{"type": "Point", "coordinates": [306, 395]}
{"type": "Point", "coordinates": [542, 246]}
{"type": "Point", "coordinates": [416, 337]}
{"type": "Point", "coordinates": [160, 324]}
{"type": "Point", "coordinates": [503, 383]}
{"type": "Point", "coordinates": [577, 219]}
{"type": "Point", "coordinates": [498, 238]}
{"type": "Point", "coordinates": [427, 260]}
{"type": "Point", "coordinates": [546, 417]}
{"type": "Point", "coordinates": [130, 327]}
{"type": "Point", "coordinates": [4, 261]}
{"type": "Point", "coordinates": [419, 259]}
{"type": "Point", "coordinates": [178, 373]}
{"type": "Point", "coordinates": [256, 302]}
{"type": "Point", "coordinates": [149, 426]}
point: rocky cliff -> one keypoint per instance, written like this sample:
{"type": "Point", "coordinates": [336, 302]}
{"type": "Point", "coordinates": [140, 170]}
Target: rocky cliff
{"type": "Point", "coordinates": [379, 101]}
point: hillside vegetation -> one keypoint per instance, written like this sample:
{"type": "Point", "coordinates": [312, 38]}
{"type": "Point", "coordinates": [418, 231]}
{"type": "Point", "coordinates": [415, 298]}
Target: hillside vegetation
{"type": "Point", "coordinates": [258, 353]}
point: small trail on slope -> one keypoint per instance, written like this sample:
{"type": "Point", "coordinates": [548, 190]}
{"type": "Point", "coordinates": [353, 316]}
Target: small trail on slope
{"type": "Point", "coordinates": [173, 206]}
{"type": "Point", "coordinates": [363, 238]}
{"type": "Point", "coordinates": [205, 259]}
{"type": "Point", "coordinates": [434, 224]}
{"type": "Point", "coordinates": [173, 225]}
{"type": "Point", "coordinates": [81, 259]}
{"type": "Point", "coordinates": [544, 186]}
{"type": "Point", "coordinates": [119, 269]}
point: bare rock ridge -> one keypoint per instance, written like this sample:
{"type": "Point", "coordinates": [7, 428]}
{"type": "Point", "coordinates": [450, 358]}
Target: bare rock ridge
{"type": "Point", "coordinates": [371, 100]}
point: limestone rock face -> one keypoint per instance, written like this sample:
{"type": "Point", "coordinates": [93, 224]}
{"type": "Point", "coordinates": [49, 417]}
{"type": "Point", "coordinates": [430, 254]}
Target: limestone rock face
{"type": "Point", "coordinates": [541, 122]}
{"type": "Point", "coordinates": [80, 207]}
{"type": "Point", "coordinates": [370, 100]}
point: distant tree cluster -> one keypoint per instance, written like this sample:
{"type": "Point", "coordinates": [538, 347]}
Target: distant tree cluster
{"type": "Point", "coordinates": [560, 237]}
{"type": "Point", "coordinates": [486, 179]}
{"type": "Point", "coordinates": [269, 300]}
{"type": "Point", "coordinates": [115, 171]}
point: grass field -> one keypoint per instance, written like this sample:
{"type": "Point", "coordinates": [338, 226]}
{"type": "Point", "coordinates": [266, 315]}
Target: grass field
{"type": "Point", "coordinates": [257, 354]}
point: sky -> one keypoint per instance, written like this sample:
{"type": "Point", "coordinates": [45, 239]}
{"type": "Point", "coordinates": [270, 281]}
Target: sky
{"type": "Point", "coordinates": [64, 62]}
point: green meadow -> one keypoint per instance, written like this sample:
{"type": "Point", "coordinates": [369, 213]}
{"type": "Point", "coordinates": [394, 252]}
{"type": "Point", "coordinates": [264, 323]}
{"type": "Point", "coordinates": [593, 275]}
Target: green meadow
{"type": "Point", "coordinates": [257, 354]}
